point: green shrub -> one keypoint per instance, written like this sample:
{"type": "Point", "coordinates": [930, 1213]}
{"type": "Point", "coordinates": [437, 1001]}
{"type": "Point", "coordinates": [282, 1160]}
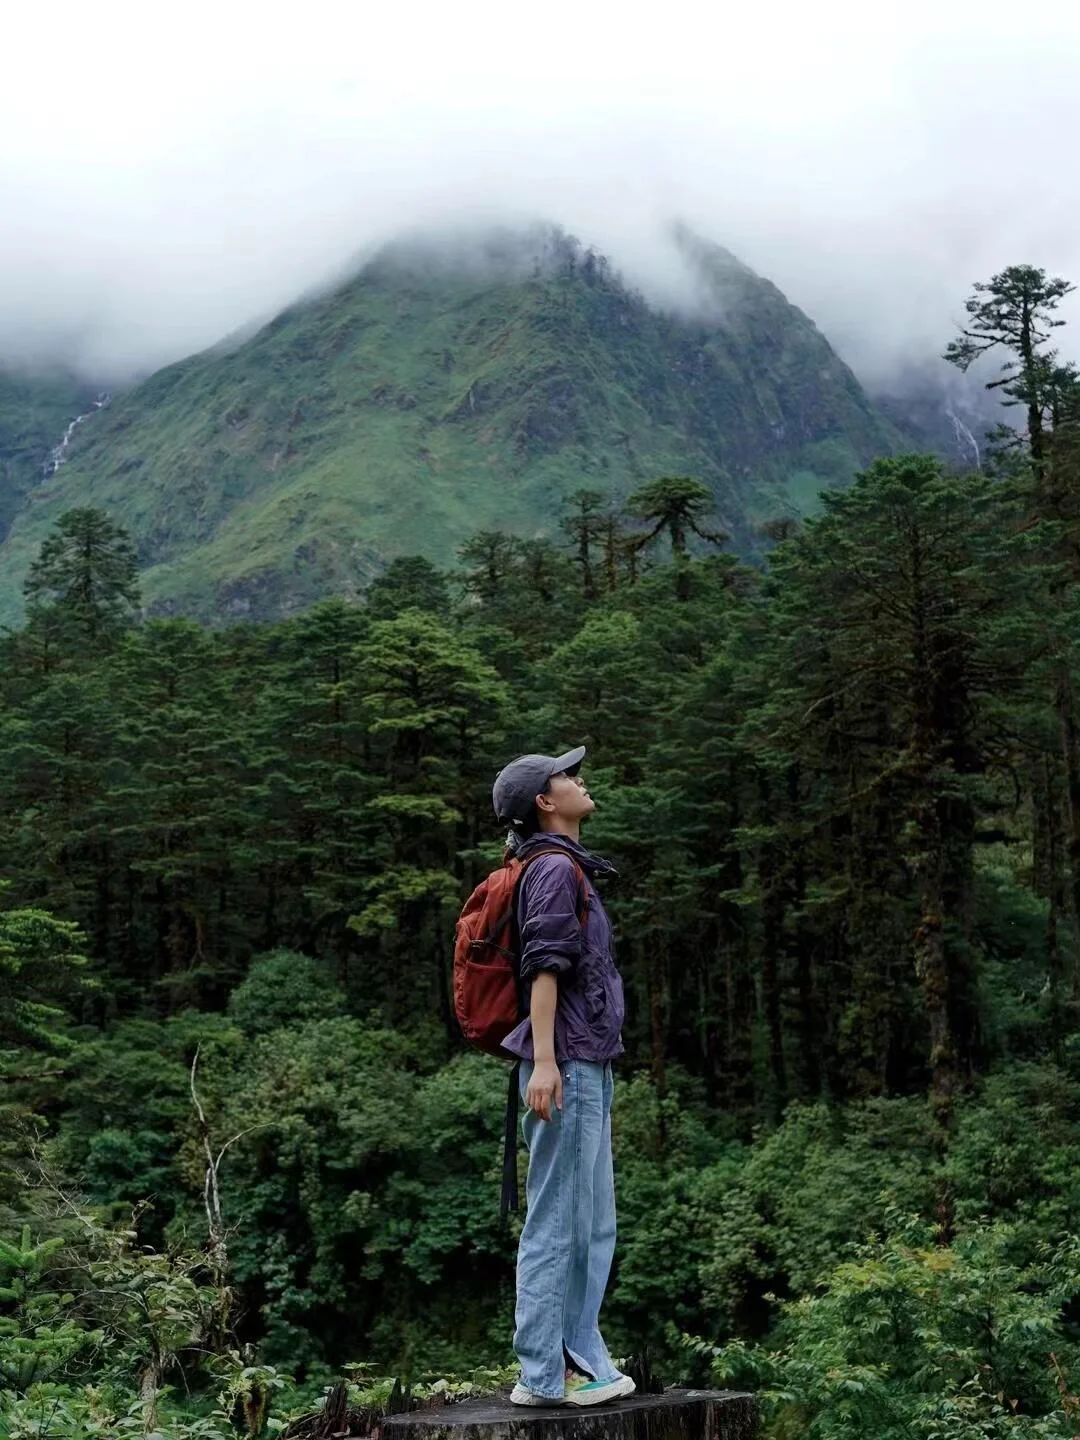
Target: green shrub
{"type": "Point", "coordinates": [916, 1340]}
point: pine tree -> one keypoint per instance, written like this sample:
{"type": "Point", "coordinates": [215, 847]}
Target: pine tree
{"type": "Point", "coordinates": [58, 722]}
{"type": "Point", "coordinates": [675, 506]}
{"type": "Point", "coordinates": [584, 519]}
{"type": "Point", "coordinates": [309, 730]}
{"type": "Point", "coordinates": [176, 819]}
{"type": "Point", "coordinates": [488, 560]}
{"type": "Point", "coordinates": [42, 969]}
{"type": "Point", "coordinates": [84, 580]}
{"type": "Point", "coordinates": [409, 582]}
{"type": "Point", "coordinates": [913, 591]}
{"type": "Point", "coordinates": [44, 977]}
{"type": "Point", "coordinates": [1014, 311]}
{"type": "Point", "coordinates": [434, 711]}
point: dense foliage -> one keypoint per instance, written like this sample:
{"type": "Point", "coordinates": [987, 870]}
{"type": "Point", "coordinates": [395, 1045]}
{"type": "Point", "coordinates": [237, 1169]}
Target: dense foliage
{"type": "Point", "coordinates": [240, 1135]}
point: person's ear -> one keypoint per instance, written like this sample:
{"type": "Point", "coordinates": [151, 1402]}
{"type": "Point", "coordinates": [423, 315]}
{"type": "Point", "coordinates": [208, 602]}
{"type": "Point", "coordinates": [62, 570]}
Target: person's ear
{"type": "Point", "coordinates": [544, 802]}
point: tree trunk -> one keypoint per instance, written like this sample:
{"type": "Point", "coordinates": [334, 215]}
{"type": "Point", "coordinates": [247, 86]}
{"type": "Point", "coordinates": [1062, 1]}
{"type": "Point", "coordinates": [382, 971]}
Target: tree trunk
{"type": "Point", "coordinates": [611, 554]}
{"type": "Point", "coordinates": [770, 986]}
{"type": "Point", "coordinates": [149, 1389]}
{"type": "Point", "coordinates": [1055, 893]}
{"type": "Point", "coordinates": [1070, 754]}
{"type": "Point", "coordinates": [674, 1415]}
{"type": "Point", "coordinates": [738, 1075]}
{"type": "Point", "coordinates": [653, 966]}
{"type": "Point", "coordinates": [932, 968]}
{"type": "Point", "coordinates": [1034, 412]}
{"type": "Point", "coordinates": [808, 1063]}
{"type": "Point", "coordinates": [443, 964]}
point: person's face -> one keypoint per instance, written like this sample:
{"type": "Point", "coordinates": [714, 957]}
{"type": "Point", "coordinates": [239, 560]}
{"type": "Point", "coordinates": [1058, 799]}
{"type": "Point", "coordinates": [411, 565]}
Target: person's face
{"type": "Point", "coordinates": [566, 798]}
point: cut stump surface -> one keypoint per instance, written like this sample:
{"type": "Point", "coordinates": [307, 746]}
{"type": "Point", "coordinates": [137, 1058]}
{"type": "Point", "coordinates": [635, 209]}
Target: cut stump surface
{"type": "Point", "coordinates": [674, 1415]}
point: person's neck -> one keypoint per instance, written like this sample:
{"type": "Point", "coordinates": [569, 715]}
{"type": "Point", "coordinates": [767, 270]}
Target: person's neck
{"type": "Point", "coordinates": [568, 829]}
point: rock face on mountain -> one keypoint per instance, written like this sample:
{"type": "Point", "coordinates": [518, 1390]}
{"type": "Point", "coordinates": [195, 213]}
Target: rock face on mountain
{"type": "Point", "coordinates": [949, 414]}
{"type": "Point", "coordinates": [436, 394]}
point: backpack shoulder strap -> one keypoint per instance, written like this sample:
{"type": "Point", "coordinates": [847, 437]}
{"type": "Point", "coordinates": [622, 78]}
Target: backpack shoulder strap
{"type": "Point", "coordinates": [583, 890]}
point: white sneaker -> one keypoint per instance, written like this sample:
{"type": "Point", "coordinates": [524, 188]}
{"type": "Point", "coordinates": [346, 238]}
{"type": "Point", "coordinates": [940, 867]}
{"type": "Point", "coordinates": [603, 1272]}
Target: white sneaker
{"type": "Point", "coordinates": [520, 1396]}
{"type": "Point", "coordinates": [582, 1391]}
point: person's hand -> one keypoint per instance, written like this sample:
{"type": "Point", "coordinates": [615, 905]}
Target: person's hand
{"type": "Point", "coordinates": [543, 1094]}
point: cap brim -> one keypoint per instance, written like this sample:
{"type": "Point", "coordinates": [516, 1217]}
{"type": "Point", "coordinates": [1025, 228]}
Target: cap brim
{"type": "Point", "coordinates": [570, 762]}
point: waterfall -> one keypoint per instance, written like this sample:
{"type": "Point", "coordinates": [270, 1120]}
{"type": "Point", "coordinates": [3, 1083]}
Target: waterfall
{"type": "Point", "coordinates": [964, 438]}
{"type": "Point", "coordinates": [58, 454]}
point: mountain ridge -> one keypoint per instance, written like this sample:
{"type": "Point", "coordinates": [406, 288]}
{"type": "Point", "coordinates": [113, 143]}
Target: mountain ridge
{"type": "Point", "coordinates": [422, 400]}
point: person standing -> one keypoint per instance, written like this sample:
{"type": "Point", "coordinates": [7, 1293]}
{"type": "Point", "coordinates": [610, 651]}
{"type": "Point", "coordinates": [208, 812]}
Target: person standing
{"type": "Point", "coordinates": [566, 1043]}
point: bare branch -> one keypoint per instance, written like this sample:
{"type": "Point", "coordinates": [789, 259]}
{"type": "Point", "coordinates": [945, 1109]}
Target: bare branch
{"type": "Point", "coordinates": [211, 1196]}
{"type": "Point", "coordinates": [238, 1136]}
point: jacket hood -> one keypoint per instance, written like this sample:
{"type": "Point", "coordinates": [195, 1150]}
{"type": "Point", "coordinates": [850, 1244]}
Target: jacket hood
{"type": "Point", "coordinates": [590, 863]}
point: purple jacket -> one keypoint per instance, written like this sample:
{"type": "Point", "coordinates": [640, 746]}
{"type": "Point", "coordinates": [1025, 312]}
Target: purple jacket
{"type": "Point", "coordinates": [589, 1014]}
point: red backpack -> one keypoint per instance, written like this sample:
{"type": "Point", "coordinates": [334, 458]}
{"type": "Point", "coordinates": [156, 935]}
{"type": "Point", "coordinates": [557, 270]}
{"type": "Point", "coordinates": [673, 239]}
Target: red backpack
{"type": "Point", "coordinates": [488, 996]}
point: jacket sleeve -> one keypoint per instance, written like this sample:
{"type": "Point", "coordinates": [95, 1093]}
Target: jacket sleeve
{"type": "Point", "coordinates": [548, 905]}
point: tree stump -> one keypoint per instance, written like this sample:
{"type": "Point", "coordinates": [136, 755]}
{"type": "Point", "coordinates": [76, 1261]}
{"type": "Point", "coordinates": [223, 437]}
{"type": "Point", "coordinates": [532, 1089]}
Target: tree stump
{"type": "Point", "coordinates": [674, 1415]}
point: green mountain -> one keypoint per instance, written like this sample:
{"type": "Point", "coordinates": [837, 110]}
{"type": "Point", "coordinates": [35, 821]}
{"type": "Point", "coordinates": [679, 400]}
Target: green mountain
{"type": "Point", "coordinates": [429, 397]}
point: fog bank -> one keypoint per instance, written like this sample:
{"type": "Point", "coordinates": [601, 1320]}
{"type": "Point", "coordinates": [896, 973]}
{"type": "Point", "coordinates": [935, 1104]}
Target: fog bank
{"type": "Point", "coordinates": [169, 175]}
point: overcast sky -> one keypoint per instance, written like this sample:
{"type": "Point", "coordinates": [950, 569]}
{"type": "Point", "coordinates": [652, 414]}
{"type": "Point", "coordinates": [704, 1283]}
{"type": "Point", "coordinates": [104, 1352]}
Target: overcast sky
{"type": "Point", "coordinates": [170, 172]}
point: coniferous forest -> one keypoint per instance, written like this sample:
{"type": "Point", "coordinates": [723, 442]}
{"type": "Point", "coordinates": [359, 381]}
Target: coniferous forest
{"type": "Point", "coordinates": [243, 1150]}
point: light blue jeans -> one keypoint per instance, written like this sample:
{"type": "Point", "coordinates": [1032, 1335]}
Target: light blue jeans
{"type": "Point", "coordinates": [568, 1240]}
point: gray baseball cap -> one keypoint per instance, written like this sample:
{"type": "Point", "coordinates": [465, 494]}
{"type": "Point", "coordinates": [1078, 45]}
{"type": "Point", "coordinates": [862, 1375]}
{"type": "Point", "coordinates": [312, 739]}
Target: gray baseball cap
{"type": "Point", "coordinates": [518, 784]}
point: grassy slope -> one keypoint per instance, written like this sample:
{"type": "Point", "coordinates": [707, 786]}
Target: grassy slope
{"type": "Point", "coordinates": [407, 410]}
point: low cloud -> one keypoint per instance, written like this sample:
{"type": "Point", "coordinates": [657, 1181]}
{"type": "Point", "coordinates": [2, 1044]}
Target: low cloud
{"type": "Point", "coordinates": [171, 176]}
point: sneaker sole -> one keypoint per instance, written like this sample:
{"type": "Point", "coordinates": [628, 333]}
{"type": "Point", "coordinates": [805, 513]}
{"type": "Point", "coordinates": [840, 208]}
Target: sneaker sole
{"type": "Point", "coordinates": [521, 1396]}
